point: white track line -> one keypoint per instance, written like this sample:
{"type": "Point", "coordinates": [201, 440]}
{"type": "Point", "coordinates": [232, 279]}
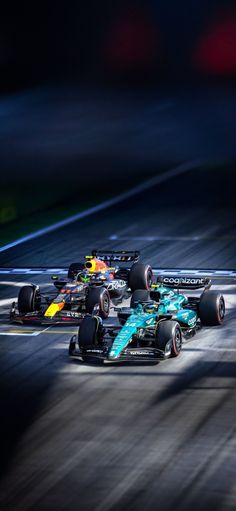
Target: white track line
{"type": "Point", "coordinates": [227, 274]}
{"type": "Point", "coordinates": [149, 183]}
{"type": "Point", "coordinates": [13, 334]}
{"type": "Point", "coordinates": [7, 301]}
{"type": "Point", "coordinates": [12, 283]}
{"type": "Point", "coordinates": [115, 237]}
{"type": "Point", "coordinates": [24, 332]}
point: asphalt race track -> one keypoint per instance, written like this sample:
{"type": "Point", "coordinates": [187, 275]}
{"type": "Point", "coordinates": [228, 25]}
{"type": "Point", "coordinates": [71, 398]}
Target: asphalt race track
{"type": "Point", "coordinates": [77, 436]}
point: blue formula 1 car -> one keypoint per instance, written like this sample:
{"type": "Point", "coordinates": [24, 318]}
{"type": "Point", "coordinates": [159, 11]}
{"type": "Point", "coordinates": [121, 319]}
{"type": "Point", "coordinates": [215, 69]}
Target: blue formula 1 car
{"type": "Point", "coordinates": [104, 279]}
{"type": "Point", "coordinates": [154, 325]}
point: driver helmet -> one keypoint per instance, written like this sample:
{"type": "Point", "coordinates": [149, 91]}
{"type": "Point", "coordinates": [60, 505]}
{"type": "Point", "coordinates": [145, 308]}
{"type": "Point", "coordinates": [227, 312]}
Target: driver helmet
{"type": "Point", "coordinates": [150, 307]}
{"type": "Point", "coordinates": [95, 265]}
{"type": "Point", "coordinates": [83, 276]}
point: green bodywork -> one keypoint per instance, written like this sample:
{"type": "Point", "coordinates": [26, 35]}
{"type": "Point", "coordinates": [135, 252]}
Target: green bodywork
{"type": "Point", "coordinates": [169, 305]}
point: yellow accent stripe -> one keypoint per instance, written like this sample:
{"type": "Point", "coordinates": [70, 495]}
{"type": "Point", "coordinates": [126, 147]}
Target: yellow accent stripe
{"type": "Point", "coordinates": [53, 309]}
{"type": "Point", "coordinates": [40, 331]}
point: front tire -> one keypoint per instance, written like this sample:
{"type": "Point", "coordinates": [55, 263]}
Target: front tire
{"type": "Point", "coordinates": [169, 338]}
{"type": "Point", "coordinates": [140, 276]}
{"type": "Point", "coordinates": [28, 300]}
{"type": "Point", "coordinates": [211, 308]}
{"type": "Point", "coordinates": [98, 296]}
{"type": "Point", "coordinates": [88, 334]}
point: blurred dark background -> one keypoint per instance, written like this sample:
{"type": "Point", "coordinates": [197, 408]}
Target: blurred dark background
{"type": "Point", "coordinates": [101, 88]}
{"type": "Point", "coordinates": [111, 41]}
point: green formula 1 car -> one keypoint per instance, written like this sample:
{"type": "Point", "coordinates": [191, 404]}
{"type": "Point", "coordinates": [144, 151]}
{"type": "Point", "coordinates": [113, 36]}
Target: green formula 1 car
{"type": "Point", "coordinates": [154, 325]}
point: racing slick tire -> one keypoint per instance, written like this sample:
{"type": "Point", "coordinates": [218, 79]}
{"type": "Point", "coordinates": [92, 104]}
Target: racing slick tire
{"type": "Point", "coordinates": [211, 308]}
{"type": "Point", "coordinates": [139, 295]}
{"type": "Point", "coordinates": [140, 276]}
{"type": "Point", "coordinates": [72, 346]}
{"type": "Point", "coordinates": [28, 301]}
{"type": "Point", "coordinates": [169, 338]}
{"type": "Point", "coordinates": [98, 296]}
{"type": "Point", "coordinates": [74, 269]}
{"type": "Point", "coordinates": [88, 334]}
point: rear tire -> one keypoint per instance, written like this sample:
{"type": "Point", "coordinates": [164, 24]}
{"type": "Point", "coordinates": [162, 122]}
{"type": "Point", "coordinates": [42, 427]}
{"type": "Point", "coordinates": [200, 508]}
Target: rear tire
{"type": "Point", "coordinates": [140, 276]}
{"type": "Point", "coordinates": [98, 296]}
{"type": "Point", "coordinates": [139, 295]}
{"type": "Point", "coordinates": [169, 338]}
{"type": "Point", "coordinates": [211, 308]}
{"type": "Point", "coordinates": [74, 269]}
{"type": "Point", "coordinates": [27, 300]}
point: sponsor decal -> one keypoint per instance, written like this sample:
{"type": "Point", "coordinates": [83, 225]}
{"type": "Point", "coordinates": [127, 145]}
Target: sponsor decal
{"type": "Point", "coordinates": [141, 352]}
{"type": "Point", "coordinates": [115, 258]}
{"type": "Point", "coordinates": [184, 280]}
{"type": "Point", "coordinates": [116, 284]}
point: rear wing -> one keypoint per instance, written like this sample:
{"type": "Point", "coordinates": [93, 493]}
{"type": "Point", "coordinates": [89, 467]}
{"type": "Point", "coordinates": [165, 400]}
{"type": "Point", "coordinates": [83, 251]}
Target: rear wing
{"type": "Point", "coordinates": [122, 256]}
{"type": "Point", "coordinates": [196, 272]}
{"type": "Point", "coordinates": [192, 278]}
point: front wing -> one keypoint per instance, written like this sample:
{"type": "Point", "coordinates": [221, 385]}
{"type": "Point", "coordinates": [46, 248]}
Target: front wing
{"type": "Point", "coordinates": [128, 354]}
{"type": "Point", "coordinates": [37, 318]}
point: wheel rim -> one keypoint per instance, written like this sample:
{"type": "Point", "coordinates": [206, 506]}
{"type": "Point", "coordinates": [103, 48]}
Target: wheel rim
{"type": "Point", "coordinates": [221, 309]}
{"type": "Point", "coordinates": [178, 340]}
{"type": "Point", "coordinates": [149, 279]}
{"type": "Point", "coordinates": [106, 304]}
